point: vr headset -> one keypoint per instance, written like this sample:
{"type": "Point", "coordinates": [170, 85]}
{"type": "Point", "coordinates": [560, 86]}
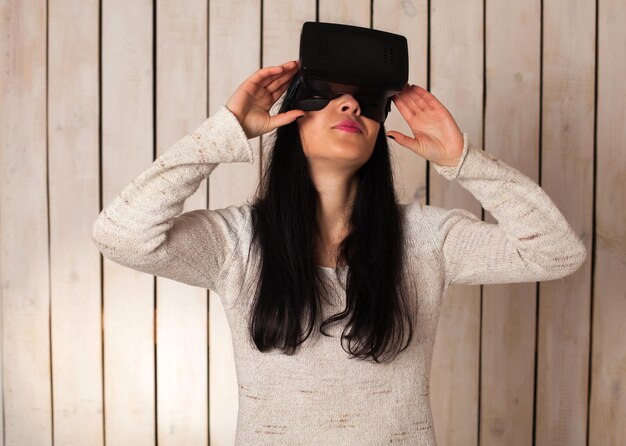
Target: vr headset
{"type": "Point", "coordinates": [336, 59]}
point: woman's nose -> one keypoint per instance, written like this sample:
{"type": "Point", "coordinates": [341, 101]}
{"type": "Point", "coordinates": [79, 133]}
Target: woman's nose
{"type": "Point", "coordinates": [347, 99]}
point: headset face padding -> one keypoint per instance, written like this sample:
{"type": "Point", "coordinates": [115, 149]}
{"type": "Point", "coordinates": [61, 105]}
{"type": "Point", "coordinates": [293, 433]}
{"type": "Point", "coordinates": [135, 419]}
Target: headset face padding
{"type": "Point", "coordinates": [301, 98]}
{"type": "Point", "coordinates": [336, 59]}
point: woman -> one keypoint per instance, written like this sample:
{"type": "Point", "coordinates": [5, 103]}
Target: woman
{"type": "Point", "coordinates": [327, 244]}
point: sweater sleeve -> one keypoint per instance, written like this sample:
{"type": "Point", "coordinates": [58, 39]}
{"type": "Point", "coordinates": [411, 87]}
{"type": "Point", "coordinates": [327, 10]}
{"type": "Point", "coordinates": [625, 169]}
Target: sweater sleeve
{"type": "Point", "coordinates": [143, 228]}
{"type": "Point", "coordinates": [532, 240]}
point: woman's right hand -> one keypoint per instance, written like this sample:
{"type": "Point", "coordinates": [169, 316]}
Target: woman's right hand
{"type": "Point", "coordinates": [251, 102]}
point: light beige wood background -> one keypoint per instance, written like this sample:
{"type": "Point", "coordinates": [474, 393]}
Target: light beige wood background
{"type": "Point", "coordinates": [91, 92]}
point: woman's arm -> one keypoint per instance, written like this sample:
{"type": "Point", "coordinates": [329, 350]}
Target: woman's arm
{"type": "Point", "coordinates": [142, 227]}
{"type": "Point", "coordinates": [532, 240]}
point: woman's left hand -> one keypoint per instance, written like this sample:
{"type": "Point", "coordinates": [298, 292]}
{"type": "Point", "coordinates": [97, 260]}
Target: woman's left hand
{"type": "Point", "coordinates": [437, 137]}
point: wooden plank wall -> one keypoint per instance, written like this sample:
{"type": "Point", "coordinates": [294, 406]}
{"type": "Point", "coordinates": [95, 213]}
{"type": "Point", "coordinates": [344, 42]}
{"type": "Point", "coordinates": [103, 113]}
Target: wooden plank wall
{"type": "Point", "coordinates": [92, 91]}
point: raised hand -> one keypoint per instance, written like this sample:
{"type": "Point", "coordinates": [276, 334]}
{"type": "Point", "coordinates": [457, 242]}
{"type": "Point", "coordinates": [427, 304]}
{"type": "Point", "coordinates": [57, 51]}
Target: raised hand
{"type": "Point", "coordinates": [252, 100]}
{"type": "Point", "coordinates": [436, 135]}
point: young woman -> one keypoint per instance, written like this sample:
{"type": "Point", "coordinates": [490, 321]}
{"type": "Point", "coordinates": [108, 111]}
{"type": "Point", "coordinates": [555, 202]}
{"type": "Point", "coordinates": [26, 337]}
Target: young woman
{"type": "Point", "coordinates": [326, 248]}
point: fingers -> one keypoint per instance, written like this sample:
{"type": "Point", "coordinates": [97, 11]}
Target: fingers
{"type": "Point", "coordinates": [272, 81]}
{"type": "Point", "coordinates": [423, 99]}
{"type": "Point", "coordinates": [400, 138]}
{"type": "Point", "coordinates": [280, 82]}
{"type": "Point", "coordinates": [405, 107]}
{"type": "Point", "coordinates": [428, 97]}
{"type": "Point", "coordinates": [278, 90]}
{"type": "Point", "coordinates": [259, 75]}
{"type": "Point", "coordinates": [285, 118]}
{"type": "Point", "coordinates": [267, 75]}
{"type": "Point", "coordinates": [417, 99]}
{"type": "Point", "coordinates": [414, 96]}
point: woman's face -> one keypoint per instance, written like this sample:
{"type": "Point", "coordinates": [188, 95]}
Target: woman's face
{"type": "Point", "coordinates": [322, 140]}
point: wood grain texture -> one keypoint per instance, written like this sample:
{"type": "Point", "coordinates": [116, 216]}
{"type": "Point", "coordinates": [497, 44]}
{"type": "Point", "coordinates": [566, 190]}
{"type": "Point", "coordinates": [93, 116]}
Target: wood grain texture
{"type": "Point", "coordinates": [234, 47]}
{"type": "Point", "coordinates": [567, 134]}
{"type": "Point", "coordinates": [608, 360]}
{"type": "Point", "coordinates": [73, 189]}
{"type": "Point", "coordinates": [127, 149]}
{"type": "Point", "coordinates": [456, 79]}
{"type": "Point", "coordinates": [24, 222]}
{"type": "Point", "coordinates": [512, 83]}
{"type": "Point", "coordinates": [85, 355]}
{"type": "Point", "coordinates": [182, 325]}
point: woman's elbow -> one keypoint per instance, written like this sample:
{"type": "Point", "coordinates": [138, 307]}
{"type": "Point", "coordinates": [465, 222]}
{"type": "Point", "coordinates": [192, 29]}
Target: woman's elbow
{"type": "Point", "coordinates": [567, 264]}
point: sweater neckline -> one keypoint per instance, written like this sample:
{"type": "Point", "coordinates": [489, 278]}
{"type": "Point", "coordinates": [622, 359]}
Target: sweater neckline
{"type": "Point", "coordinates": [330, 268]}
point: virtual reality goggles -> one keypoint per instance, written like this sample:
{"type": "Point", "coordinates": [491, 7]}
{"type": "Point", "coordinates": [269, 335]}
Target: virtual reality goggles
{"type": "Point", "coordinates": [336, 59]}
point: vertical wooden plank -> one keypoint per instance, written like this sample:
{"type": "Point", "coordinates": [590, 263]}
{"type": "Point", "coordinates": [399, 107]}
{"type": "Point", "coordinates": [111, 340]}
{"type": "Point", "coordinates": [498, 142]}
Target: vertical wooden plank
{"type": "Point", "coordinates": [347, 12]}
{"type": "Point", "coordinates": [409, 19]}
{"type": "Point", "coordinates": [1, 373]}
{"type": "Point", "coordinates": [73, 188]}
{"type": "Point", "coordinates": [181, 105]}
{"type": "Point", "coordinates": [127, 150]}
{"type": "Point", "coordinates": [512, 135]}
{"type": "Point", "coordinates": [567, 176]}
{"type": "Point", "coordinates": [456, 72]}
{"type": "Point", "coordinates": [234, 54]}
{"type": "Point", "coordinates": [608, 372]}
{"type": "Point", "coordinates": [24, 267]}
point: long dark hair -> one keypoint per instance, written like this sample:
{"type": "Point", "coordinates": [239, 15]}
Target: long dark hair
{"type": "Point", "coordinates": [288, 285]}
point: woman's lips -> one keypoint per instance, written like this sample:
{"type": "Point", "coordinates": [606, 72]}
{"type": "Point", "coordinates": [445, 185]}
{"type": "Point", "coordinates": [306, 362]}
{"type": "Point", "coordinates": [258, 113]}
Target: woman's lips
{"type": "Point", "coordinates": [347, 129]}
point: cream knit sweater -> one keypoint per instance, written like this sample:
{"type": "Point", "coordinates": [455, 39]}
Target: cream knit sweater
{"type": "Point", "coordinates": [319, 396]}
